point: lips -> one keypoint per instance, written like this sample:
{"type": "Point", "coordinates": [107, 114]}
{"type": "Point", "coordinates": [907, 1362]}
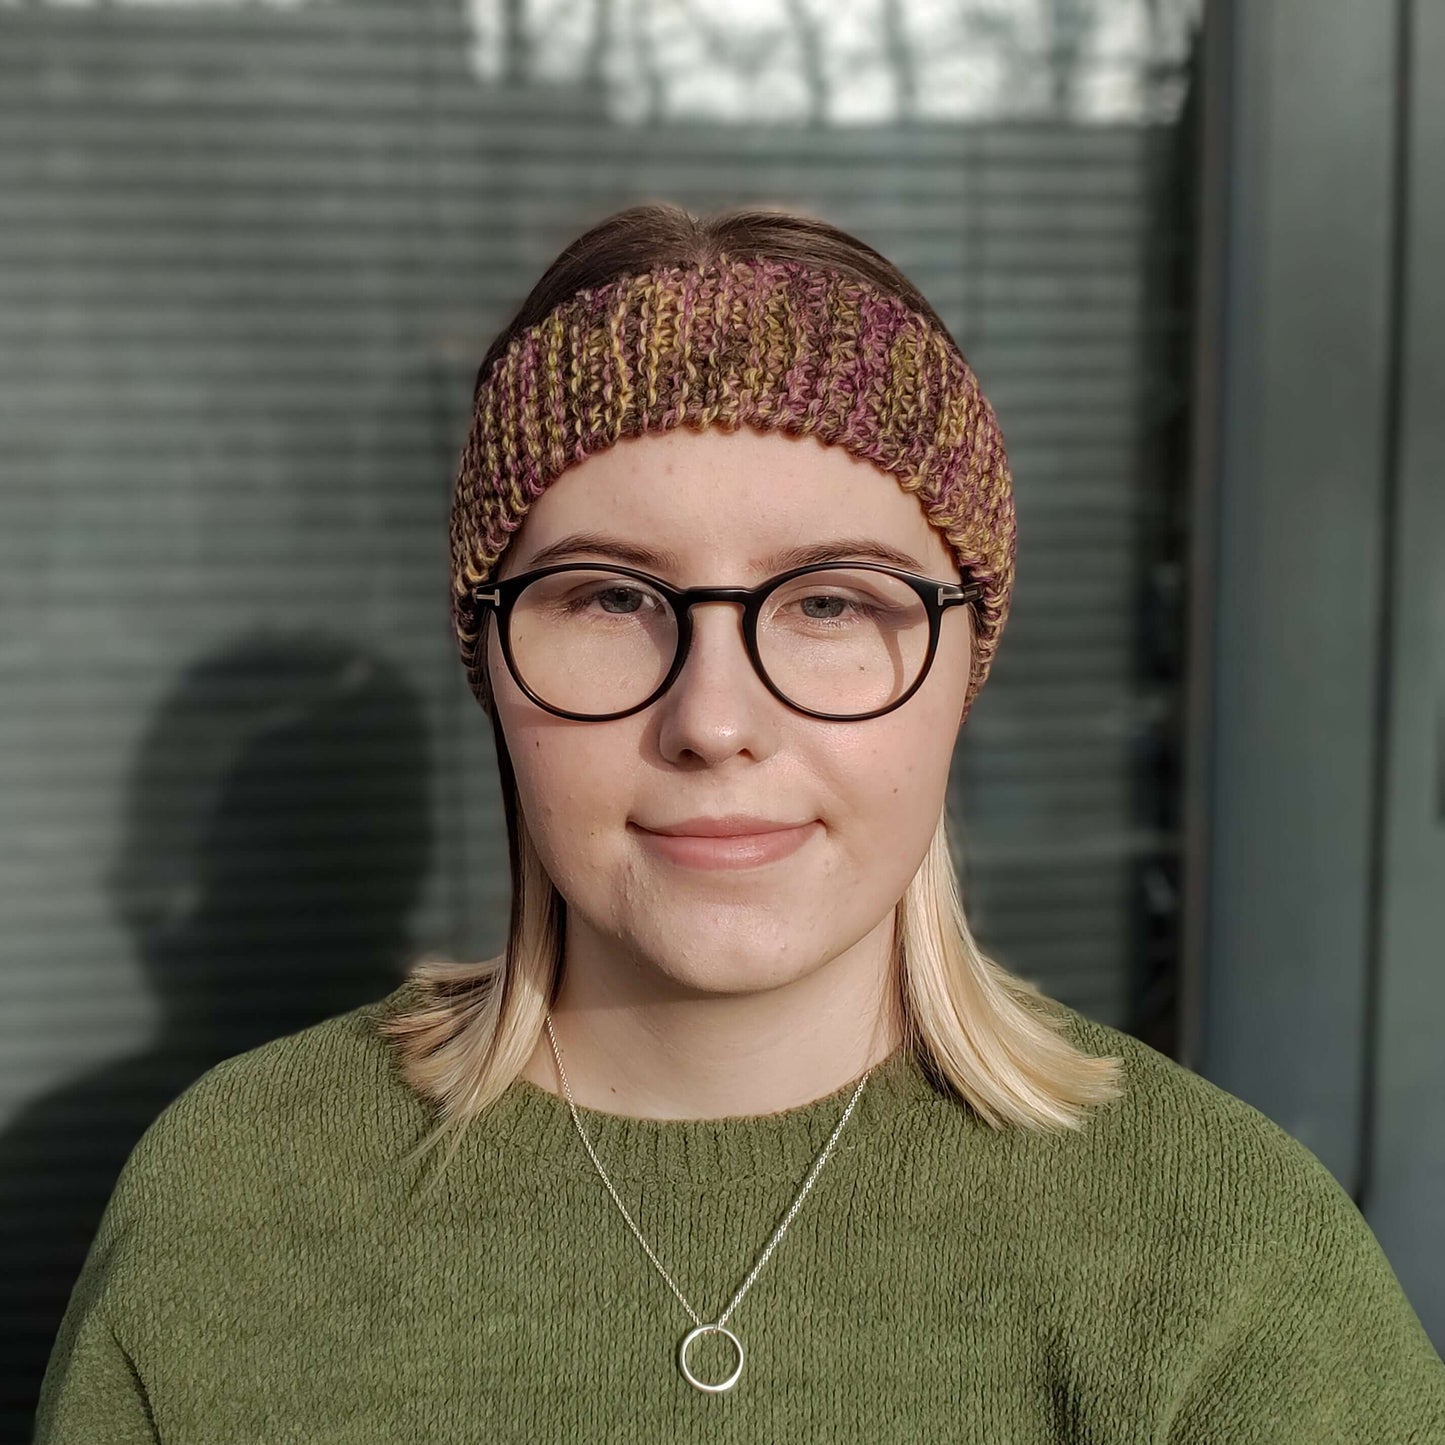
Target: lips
{"type": "Point", "coordinates": [730, 825]}
{"type": "Point", "coordinates": [728, 850]}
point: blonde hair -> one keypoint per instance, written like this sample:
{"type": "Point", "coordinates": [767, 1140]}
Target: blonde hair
{"type": "Point", "coordinates": [995, 1039]}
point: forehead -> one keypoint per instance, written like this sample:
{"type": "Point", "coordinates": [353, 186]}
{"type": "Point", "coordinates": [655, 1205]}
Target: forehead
{"type": "Point", "coordinates": [694, 498]}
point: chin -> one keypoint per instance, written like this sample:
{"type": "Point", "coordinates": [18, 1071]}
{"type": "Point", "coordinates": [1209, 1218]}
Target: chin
{"type": "Point", "coordinates": [700, 963]}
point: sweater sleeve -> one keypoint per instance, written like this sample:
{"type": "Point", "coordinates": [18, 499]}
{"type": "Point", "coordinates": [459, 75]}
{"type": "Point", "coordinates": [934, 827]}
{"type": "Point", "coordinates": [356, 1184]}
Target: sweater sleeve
{"type": "Point", "coordinates": [91, 1393]}
{"type": "Point", "coordinates": [1320, 1344]}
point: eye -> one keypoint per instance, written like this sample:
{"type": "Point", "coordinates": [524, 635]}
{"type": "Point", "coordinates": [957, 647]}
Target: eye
{"type": "Point", "coordinates": [617, 598]}
{"type": "Point", "coordinates": [841, 604]}
{"type": "Point", "coordinates": [843, 601]}
{"type": "Point", "coordinates": [608, 597]}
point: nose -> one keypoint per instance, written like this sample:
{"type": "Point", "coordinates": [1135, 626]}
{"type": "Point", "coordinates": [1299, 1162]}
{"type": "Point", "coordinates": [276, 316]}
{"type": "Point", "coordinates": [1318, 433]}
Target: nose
{"type": "Point", "coordinates": [717, 704]}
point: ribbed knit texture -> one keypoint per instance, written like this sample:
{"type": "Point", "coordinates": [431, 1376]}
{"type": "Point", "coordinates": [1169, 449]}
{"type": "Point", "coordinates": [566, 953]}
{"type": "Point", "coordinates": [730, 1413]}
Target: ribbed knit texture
{"type": "Point", "coordinates": [1181, 1273]}
{"type": "Point", "coordinates": [775, 345]}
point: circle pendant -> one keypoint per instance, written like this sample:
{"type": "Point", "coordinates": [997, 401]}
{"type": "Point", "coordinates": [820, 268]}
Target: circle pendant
{"type": "Point", "coordinates": [732, 1379]}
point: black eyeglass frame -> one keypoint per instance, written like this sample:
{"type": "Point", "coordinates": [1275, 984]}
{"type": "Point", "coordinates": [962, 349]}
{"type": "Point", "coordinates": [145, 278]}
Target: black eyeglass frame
{"type": "Point", "coordinates": [936, 597]}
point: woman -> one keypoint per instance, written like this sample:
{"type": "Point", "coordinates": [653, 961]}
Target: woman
{"type": "Point", "coordinates": [746, 1140]}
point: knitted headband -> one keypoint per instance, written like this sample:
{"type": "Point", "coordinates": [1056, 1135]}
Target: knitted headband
{"type": "Point", "coordinates": [775, 345]}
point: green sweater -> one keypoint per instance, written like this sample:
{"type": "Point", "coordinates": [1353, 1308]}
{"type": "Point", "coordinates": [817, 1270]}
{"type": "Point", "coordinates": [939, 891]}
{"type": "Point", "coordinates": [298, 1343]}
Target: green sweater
{"type": "Point", "coordinates": [1183, 1272]}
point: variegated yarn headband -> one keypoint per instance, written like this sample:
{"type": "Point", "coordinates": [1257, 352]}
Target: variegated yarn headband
{"type": "Point", "coordinates": [775, 345]}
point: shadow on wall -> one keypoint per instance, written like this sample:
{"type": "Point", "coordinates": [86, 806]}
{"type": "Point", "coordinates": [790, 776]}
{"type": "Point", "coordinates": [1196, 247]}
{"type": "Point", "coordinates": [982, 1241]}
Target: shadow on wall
{"type": "Point", "coordinates": [275, 840]}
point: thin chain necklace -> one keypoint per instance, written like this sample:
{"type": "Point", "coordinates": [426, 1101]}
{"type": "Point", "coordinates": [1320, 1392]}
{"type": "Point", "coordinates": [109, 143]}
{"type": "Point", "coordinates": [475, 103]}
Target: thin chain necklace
{"type": "Point", "coordinates": [719, 1326]}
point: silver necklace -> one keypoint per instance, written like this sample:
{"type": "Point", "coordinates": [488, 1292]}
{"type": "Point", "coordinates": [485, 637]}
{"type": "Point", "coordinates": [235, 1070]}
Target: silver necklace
{"type": "Point", "coordinates": [719, 1326]}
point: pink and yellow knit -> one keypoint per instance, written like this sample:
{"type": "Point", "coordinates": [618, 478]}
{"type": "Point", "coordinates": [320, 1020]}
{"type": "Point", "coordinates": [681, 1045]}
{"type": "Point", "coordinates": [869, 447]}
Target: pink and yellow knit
{"type": "Point", "coordinates": [768, 344]}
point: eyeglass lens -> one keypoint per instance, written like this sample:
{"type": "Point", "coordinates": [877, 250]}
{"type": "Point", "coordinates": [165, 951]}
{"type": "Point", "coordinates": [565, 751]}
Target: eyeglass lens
{"type": "Point", "coordinates": [843, 640]}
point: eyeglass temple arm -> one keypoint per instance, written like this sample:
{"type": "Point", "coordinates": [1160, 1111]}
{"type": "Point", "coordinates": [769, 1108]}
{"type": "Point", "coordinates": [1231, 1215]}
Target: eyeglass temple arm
{"type": "Point", "coordinates": [969, 592]}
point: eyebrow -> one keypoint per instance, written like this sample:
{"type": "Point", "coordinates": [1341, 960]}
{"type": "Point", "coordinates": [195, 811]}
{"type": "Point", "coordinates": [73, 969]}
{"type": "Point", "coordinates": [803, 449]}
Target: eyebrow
{"type": "Point", "coordinates": [860, 549]}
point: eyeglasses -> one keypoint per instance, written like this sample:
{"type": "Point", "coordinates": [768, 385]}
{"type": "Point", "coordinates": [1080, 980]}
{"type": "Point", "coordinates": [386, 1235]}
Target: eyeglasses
{"type": "Point", "coordinates": [838, 641]}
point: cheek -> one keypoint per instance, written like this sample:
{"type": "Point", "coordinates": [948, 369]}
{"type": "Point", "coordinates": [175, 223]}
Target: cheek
{"type": "Point", "coordinates": [903, 758]}
{"type": "Point", "coordinates": [573, 789]}
{"type": "Point", "coordinates": [896, 771]}
{"type": "Point", "coordinates": [561, 780]}
{"type": "Point", "coordinates": [891, 780]}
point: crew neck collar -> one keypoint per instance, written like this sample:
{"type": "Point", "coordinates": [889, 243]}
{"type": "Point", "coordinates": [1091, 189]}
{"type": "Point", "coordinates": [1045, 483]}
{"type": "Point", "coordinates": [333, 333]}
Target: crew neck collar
{"type": "Point", "coordinates": [531, 1120]}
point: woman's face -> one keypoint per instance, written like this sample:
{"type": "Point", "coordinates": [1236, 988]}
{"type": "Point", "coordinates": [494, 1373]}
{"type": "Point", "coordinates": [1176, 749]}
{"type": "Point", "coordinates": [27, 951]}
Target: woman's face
{"type": "Point", "coordinates": [723, 504]}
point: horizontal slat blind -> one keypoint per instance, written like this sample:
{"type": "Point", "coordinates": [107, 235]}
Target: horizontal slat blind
{"type": "Point", "coordinates": [250, 256]}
